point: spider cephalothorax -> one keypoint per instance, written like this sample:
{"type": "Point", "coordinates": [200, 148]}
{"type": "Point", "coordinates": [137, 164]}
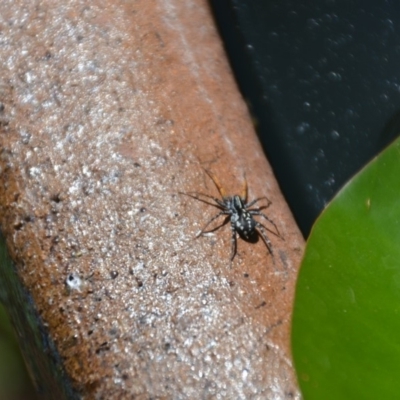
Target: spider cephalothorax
{"type": "Point", "coordinates": [238, 212]}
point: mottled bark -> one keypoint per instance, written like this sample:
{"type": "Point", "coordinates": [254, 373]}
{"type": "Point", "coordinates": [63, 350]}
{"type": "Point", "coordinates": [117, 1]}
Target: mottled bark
{"type": "Point", "coordinates": [109, 109]}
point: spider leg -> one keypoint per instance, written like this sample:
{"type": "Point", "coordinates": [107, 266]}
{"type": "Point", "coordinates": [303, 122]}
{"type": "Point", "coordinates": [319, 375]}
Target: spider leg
{"type": "Point", "coordinates": [248, 205]}
{"type": "Point", "coordinates": [261, 229]}
{"type": "Point", "coordinates": [233, 241]}
{"type": "Point", "coordinates": [220, 189]}
{"type": "Point", "coordinates": [243, 196]}
{"type": "Point", "coordinates": [260, 208]}
{"type": "Point", "coordinates": [217, 227]}
{"type": "Point", "coordinates": [257, 209]}
{"type": "Point", "coordinates": [193, 195]}
{"type": "Point", "coordinates": [256, 212]}
{"type": "Point", "coordinates": [211, 220]}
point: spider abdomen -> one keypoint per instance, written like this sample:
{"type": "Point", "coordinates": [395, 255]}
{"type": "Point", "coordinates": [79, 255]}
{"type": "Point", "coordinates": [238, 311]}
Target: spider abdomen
{"type": "Point", "coordinates": [244, 224]}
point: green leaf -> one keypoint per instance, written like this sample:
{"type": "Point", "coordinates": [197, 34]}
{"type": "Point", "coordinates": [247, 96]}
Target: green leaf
{"type": "Point", "coordinates": [346, 321]}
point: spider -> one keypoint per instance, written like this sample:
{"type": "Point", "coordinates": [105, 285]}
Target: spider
{"type": "Point", "coordinates": [239, 213]}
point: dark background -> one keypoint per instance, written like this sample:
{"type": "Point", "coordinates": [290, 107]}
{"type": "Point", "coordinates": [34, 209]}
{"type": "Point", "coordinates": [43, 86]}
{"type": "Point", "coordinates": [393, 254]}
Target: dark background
{"type": "Point", "coordinates": [322, 79]}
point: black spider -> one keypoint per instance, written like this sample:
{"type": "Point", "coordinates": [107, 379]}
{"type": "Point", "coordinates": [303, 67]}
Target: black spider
{"type": "Point", "coordinates": [238, 211]}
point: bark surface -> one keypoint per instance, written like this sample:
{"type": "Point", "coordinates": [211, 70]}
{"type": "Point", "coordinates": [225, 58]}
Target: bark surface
{"type": "Point", "coordinates": [109, 110]}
